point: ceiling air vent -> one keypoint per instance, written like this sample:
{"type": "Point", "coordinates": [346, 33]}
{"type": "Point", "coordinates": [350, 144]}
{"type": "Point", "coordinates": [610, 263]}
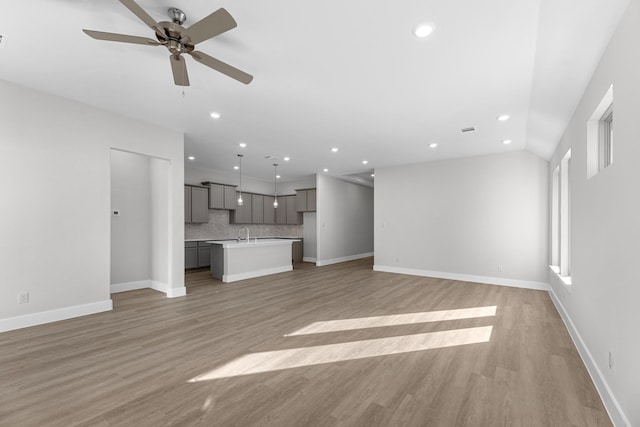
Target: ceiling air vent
{"type": "Point", "coordinates": [271, 157]}
{"type": "Point", "coordinates": [469, 129]}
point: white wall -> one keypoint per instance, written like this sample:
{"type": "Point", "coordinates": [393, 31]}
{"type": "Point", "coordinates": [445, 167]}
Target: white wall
{"type": "Point", "coordinates": [602, 305]}
{"type": "Point", "coordinates": [160, 239]}
{"type": "Point", "coordinates": [344, 220]}
{"type": "Point", "coordinates": [310, 237]}
{"type": "Point", "coordinates": [464, 218]}
{"type": "Point", "coordinates": [55, 197]}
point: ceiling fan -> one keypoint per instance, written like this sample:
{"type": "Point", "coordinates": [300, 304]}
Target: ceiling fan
{"type": "Point", "coordinates": [179, 40]}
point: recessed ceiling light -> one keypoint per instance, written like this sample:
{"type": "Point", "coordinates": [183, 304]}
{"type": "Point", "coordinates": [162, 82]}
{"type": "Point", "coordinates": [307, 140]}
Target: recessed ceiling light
{"type": "Point", "coordinates": [506, 142]}
{"type": "Point", "coordinates": [422, 30]}
{"type": "Point", "coordinates": [503, 118]}
{"type": "Point", "coordinates": [334, 149]}
{"type": "Point", "coordinates": [364, 162]}
{"type": "Point", "coordinates": [277, 176]}
{"type": "Point", "coordinates": [286, 159]}
{"type": "Point", "coordinates": [191, 158]}
{"type": "Point", "coordinates": [215, 115]}
{"type": "Point", "coordinates": [325, 170]}
{"type": "Point", "coordinates": [433, 145]}
{"type": "Point", "coordinates": [242, 145]}
{"type": "Point", "coordinates": [236, 167]}
{"type": "Point", "coordinates": [373, 175]}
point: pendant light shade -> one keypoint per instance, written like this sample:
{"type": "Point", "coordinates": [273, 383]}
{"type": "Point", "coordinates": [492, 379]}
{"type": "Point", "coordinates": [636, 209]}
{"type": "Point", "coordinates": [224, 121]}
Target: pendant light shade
{"type": "Point", "coordinates": [240, 202]}
{"type": "Point", "coordinates": [275, 186]}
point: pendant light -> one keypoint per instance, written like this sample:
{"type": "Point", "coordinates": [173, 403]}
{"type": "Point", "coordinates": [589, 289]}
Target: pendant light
{"type": "Point", "coordinates": [240, 187]}
{"type": "Point", "coordinates": [275, 186]}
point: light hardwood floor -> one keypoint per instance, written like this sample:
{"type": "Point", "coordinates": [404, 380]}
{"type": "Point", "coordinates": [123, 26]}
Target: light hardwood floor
{"type": "Point", "coordinates": [155, 361]}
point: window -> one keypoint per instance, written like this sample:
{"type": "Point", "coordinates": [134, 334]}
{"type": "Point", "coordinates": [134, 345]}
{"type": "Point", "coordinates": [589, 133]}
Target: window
{"type": "Point", "coordinates": [600, 136]}
{"type": "Point", "coordinates": [560, 220]}
{"type": "Point", "coordinates": [605, 142]}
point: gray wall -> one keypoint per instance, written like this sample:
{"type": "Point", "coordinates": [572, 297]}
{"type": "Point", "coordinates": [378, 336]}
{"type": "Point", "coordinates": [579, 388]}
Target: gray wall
{"type": "Point", "coordinates": [602, 304]}
{"type": "Point", "coordinates": [483, 217]}
{"type": "Point", "coordinates": [55, 155]}
{"type": "Point", "coordinates": [344, 220]}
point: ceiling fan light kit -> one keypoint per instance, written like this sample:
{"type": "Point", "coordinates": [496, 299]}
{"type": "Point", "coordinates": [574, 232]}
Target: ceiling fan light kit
{"type": "Point", "coordinates": [179, 40]}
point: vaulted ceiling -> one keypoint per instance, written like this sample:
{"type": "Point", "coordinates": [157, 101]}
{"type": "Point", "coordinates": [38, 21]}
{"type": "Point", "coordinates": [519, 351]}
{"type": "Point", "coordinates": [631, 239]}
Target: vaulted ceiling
{"type": "Point", "coordinates": [350, 75]}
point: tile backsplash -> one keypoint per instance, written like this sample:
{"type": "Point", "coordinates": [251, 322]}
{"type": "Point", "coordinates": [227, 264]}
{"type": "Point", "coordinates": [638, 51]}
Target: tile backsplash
{"type": "Point", "coordinates": [218, 228]}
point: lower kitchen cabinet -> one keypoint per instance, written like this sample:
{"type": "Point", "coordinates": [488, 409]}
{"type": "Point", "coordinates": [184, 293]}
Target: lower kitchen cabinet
{"type": "Point", "coordinates": [190, 255]}
{"type": "Point", "coordinates": [196, 255]}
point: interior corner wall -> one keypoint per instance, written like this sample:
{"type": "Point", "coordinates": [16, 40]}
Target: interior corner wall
{"type": "Point", "coordinates": [55, 196]}
{"type": "Point", "coordinates": [344, 220]}
{"type": "Point", "coordinates": [481, 218]}
{"type": "Point", "coordinates": [159, 171]}
{"type": "Point", "coordinates": [130, 231]}
{"type": "Point", "coordinates": [601, 305]}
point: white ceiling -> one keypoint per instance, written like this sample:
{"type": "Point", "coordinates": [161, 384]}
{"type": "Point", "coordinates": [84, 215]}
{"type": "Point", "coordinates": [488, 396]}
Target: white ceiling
{"type": "Point", "coordinates": [327, 74]}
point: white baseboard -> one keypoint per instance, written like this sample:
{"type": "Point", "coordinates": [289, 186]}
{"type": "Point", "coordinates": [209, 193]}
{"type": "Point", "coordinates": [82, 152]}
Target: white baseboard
{"type": "Point", "coordinates": [228, 278]}
{"type": "Point", "coordinates": [176, 292]}
{"type": "Point", "coordinates": [343, 259]}
{"type": "Point", "coordinates": [149, 284]}
{"type": "Point", "coordinates": [49, 316]}
{"type": "Point", "coordinates": [541, 286]}
{"type": "Point", "coordinates": [130, 286]}
{"type": "Point", "coordinates": [309, 259]}
{"type": "Point", "coordinates": [158, 286]}
{"type": "Point", "coordinates": [618, 418]}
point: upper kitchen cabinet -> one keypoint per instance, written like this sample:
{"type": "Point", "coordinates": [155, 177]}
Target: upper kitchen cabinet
{"type": "Point", "coordinates": [306, 200]}
{"type": "Point", "coordinates": [293, 216]}
{"type": "Point", "coordinates": [196, 204]}
{"type": "Point", "coordinates": [242, 214]}
{"type": "Point", "coordinates": [222, 196]}
{"type": "Point", "coordinates": [281, 212]}
{"type": "Point", "coordinates": [257, 209]}
{"type": "Point", "coordinates": [269, 211]}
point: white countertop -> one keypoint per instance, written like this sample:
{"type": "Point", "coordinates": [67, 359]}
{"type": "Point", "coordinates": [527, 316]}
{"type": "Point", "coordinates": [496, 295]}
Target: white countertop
{"type": "Point", "coordinates": [252, 242]}
{"type": "Point", "coordinates": [230, 239]}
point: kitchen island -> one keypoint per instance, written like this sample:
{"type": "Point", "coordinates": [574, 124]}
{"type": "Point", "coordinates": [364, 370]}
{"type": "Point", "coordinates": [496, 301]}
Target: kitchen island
{"type": "Point", "coordinates": [233, 260]}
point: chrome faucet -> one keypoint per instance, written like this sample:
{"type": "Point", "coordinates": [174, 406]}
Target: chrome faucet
{"type": "Point", "coordinates": [240, 229]}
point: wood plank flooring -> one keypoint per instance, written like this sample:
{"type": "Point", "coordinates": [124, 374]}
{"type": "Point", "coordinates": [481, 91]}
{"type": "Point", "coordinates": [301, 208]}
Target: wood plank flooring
{"type": "Point", "coordinates": [145, 363]}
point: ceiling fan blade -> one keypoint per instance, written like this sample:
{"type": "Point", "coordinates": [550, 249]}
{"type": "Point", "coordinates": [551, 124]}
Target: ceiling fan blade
{"type": "Point", "coordinates": [112, 37]}
{"type": "Point", "coordinates": [216, 23]}
{"type": "Point", "coordinates": [143, 16]}
{"type": "Point", "coordinates": [179, 69]}
{"type": "Point", "coordinates": [220, 66]}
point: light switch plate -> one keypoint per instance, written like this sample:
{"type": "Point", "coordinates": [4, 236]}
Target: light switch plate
{"type": "Point", "coordinates": [116, 212]}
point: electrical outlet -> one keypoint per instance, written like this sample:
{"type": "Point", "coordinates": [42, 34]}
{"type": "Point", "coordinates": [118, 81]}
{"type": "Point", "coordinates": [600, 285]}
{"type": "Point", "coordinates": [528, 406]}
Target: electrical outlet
{"type": "Point", "coordinates": [500, 268]}
{"type": "Point", "coordinates": [610, 360]}
{"type": "Point", "coordinates": [23, 298]}
{"type": "Point", "coordinates": [116, 212]}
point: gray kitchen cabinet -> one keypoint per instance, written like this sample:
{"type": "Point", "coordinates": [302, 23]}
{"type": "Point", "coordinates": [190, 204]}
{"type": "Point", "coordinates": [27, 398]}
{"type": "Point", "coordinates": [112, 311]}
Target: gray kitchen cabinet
{"type": "Point", "coordinates": [222, 196]}
{"type": "Point", "coordinates": [190, 255]}
{"type": "Point", "coordinates": [199, 204]}
{"type": "Point", "coordinates": [311, 200]}
{"type": "Point", "coordinates": [281, 212]}
{"type": "Point", "coordinates": [306, 200]}
{"type": "Point", "coordinates": [242, 214]}
{"type": "Point", "coordinates": [292, 213]}
{"type": "Point", "coordinates": [269, 212]}
{"type": "Point", "coordinates": [196, 204]}
{"type": "Point", "coordinates": [230, 197]}
{"type": "Point", "coordinates": [301, 200]}
{"type": "Point", "coordinates": [204, 254]}
{"type": "Point", "coordinates": [216, 196]}
{"type": "Point", "coordinates": [257, 209]}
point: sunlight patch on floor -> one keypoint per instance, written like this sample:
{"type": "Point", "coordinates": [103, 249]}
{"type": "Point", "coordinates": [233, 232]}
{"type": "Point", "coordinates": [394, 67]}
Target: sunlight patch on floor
{"type": "Point", "coordinates": [393, 320]}
{"type": "Point", "coordinates": [308, 356]}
